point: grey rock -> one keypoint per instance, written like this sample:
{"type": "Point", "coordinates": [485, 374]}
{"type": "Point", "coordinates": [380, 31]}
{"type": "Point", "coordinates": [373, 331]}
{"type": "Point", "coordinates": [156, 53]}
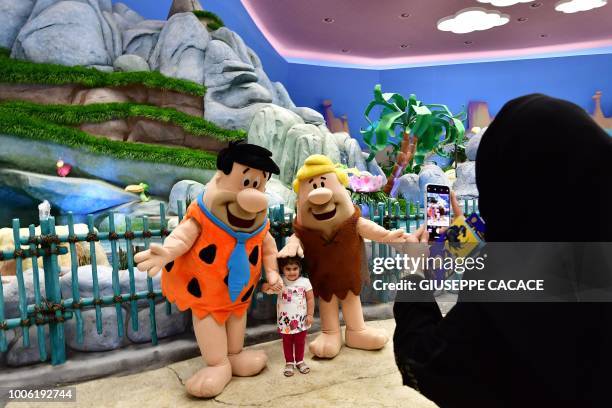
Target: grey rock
{"type": "Point", "coordinates": [184, 6]}
{"type": "Point", "coordinates": [408, 188]}
{"type": "Point", "coordinates": [230, 80]}
{"type": "Point", "coordinates": [236, 44]}
{"type": "Point", "coordinates": [109, 339]}
{"type": "Point", "coordinates": [105, 5]}
{"type": "Point", "coordinates": [9, 335]}
{"type": "Point", "coordinates": [310, 116]}
{"type": "Point", "coordinates": [282, 96]}
{"type": "Point", "coordinates": [142, 38]}
{"type": "Point", "coordinates": [279, 193]}
{"type": "Point", "coordinates": [125, 17]}
{"type": "Point", "coordinates": [230, 118]}
{"type": "Point", "coordinates": [17, 355]}
{"type": "Point", "coordinates": [354, 154]}
{"type": "Point", "coordinates": [465, 185]}
{"type": "Point", "coordinates": [61, 191]}
{"type": "Point", "coordinates": [166, 325]}
{"type": "Point", "coordinates": [291, 141]}
{"type": "Point", "coordinates": [103, 68]}
{"type": "Point", "coordinates": [268, 129]}
{"type": "Point", "coordinates": [179, 52]}
{"type": "Point", "coordinates": [31, 155]}
{"type": "Point", "coordinates": [472, 145]}
{"type": "Point", "coordinates": [131, 63]}
{"type": "Point", "coordinates": [431, 174]}
{"type": "Point", "coordinates": [263, 80]}
{"type": "Point", "coordinates": [185, 191]}
{"type": "Point", "coordinates": [140, 284]}
{"type": "Point", "coordinates": [373, 167]}
{"type": "Point", "coordinates": [85, 277]}
{"type": "Point", "coordinates": [134, 211]}
{"type": "Point", "coordinates": [11, 292]}
{"type": "Point", "coordinates": [13, 15]}
{"type": "Point", "coordinates": [67, 33]}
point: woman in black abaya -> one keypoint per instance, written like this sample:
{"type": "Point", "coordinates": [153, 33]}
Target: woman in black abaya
{"type": "Point", "coordinates": [543, 171]}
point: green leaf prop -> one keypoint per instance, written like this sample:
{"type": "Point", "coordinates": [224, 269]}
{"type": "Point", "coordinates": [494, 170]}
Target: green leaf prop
{"type": "Point", "coordinates": [434, 125]}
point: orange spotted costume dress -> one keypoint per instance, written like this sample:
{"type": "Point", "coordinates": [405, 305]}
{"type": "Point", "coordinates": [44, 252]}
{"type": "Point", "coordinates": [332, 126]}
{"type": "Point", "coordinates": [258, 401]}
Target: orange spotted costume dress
{"type": "Point", "coordinates": [219, 273]}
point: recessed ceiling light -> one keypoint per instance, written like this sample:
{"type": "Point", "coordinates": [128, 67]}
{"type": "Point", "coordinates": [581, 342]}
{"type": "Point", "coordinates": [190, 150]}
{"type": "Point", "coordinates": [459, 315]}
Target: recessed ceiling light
{"type": "Point", "coordinates": [404, 15]}
{"type": "Point", "coordinates": [522, 19]}
{"type": "Point", "coordinates": [574, 6]}
{"type": "Point", "coordinates": [544, 35]}
{"type": "Point", "coordinates": [536, 5]}
{"type": "Point", "coordinates": [472, 19]}
{"type": "Point", "coordinates": [345, 50]}
{"type": "Point", "coordinates": [504, 3]}
{"type": "Point", "coordinates": [328, 20]}
{"type": "Point", "coordinates": [468, 42]}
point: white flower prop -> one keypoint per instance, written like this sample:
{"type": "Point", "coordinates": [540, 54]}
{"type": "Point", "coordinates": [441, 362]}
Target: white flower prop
{"type": "Point", "coordinates": [504, 3]}
{"type": "Point", "coordinates": [472, 19]}
{"type": "Point", "coordinates": [574, 6]}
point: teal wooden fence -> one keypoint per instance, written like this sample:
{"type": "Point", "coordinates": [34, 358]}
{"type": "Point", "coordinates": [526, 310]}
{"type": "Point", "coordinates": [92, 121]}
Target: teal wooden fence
{"type": "Point", "coordinates": [53, 310]}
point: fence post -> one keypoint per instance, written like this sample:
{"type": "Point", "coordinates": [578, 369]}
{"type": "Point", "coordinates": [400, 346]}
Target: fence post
{"type": "Point", "coordinates": [53, 293]}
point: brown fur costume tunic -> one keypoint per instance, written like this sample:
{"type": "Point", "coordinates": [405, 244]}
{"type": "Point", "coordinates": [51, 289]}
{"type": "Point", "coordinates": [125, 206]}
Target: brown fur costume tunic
{"type": "Point", "coordinates": [334, 264]}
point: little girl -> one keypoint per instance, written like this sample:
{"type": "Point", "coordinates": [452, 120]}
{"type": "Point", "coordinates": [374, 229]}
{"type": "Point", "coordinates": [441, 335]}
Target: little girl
{"type": "Point", "coordinates": [294, 312]}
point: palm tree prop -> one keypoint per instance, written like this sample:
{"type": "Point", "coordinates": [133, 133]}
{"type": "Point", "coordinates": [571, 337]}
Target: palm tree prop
{"type": "Point", "coordinates": [424, 128]}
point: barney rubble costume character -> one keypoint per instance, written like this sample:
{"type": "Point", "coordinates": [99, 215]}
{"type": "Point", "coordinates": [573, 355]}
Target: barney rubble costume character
{"type": "Point", "coordinates": [212, 263]}
{"type": "Point", "coordinates": [329, 233]}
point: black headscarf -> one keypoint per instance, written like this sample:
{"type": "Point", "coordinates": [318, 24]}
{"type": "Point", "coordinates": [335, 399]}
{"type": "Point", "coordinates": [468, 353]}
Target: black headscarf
{"type": "Point", "coordinates": [544, 173]}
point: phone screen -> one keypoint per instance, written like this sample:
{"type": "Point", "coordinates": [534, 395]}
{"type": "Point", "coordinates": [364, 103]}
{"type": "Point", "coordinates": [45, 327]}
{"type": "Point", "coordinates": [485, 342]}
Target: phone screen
{"type": "Point", "coordinates": [437, 209]}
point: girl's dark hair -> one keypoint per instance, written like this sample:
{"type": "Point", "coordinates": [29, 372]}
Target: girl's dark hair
{"type": "Point", "coordinates": [292, 260]}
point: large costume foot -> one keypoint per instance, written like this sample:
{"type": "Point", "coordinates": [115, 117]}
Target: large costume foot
{"type": "Point", "coordinates": [366, 339]}
{"type": "Point", "coordinates": [209, 381]}
{"type": "Point", "coordinates": [326, 345]}
{"type": "Point", "coordinates": [248, 362]}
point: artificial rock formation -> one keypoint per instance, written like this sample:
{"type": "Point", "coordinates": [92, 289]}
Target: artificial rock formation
{"type": "Point", "coordinates": [239, 93]}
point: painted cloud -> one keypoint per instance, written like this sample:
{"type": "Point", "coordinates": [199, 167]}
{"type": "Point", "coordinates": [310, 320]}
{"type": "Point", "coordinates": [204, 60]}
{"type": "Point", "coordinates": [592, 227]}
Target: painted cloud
{"type": "Point", "coordinates": [472, 19]}
{"type": "Point", "coordinates": [504, 3]}
{"type": "Point", "coordinates": [574, 6]}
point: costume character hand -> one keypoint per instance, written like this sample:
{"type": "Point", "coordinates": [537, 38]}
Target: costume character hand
{"type": "Point", "coordinates": [152, 260]}
{"type": "Point", "coordinates": [398, 235]}
{"type": "Point", "coordinates": [275, 283]}
{"type": "Point", "coordinates": [292, 248]}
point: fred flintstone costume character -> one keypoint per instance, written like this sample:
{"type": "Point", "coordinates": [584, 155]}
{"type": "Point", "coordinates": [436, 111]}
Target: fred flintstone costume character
{"type": "Point", "coordinates": [329, 233]}
{"type": "Point", "coordinates": [212, 263]}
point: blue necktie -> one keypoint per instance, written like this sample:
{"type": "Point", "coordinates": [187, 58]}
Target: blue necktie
{"type": "Point", "coordinates": [238, 266]}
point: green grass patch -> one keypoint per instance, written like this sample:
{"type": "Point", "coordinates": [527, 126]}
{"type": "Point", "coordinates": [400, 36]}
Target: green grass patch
{"type": "Point", "coordinates": [74, 115]}
{"type": "Point", "coordinates": [215, 21]}
{"type": "Point", "coordinates": [26, 126]}
{"type": "Point", "coordinates": [15, 71]}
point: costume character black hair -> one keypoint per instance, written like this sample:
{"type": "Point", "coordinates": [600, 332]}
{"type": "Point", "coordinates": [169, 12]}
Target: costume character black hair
{"type": "Point", "coordinates": [246, 154]}
{"type": "Point", "coordinates": [527, 354]}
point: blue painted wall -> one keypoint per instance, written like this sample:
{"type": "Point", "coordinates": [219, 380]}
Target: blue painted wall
{"type": "Point", "coordinates": [573, 78]}
{"type": "Point", "coordinates": [350, 90]}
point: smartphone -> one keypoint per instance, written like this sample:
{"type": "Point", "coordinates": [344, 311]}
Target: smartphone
{"type": "Point", "coordinates": [437, 209]}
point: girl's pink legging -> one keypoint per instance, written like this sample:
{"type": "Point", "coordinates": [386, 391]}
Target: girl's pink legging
{"type": "Point", "coordinates": [293, 342]}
